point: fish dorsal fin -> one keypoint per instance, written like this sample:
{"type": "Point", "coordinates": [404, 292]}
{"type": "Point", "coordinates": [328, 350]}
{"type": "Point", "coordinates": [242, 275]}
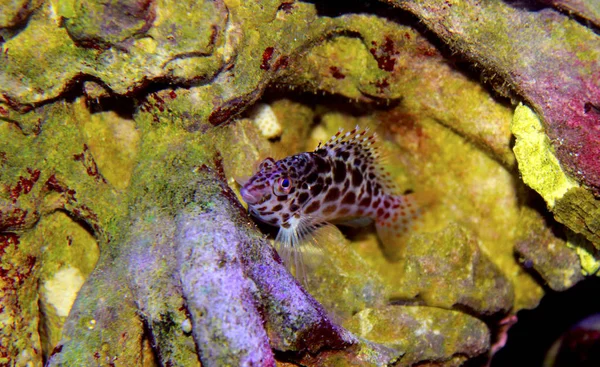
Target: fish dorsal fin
{"type": "Point", "coordinates": [364, 144]}
{"type": "Point", "coordinates": [358, 137]}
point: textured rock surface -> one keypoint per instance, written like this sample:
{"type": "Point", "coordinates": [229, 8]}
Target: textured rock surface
{"type": "Point", "coordinates": [119, 159]}
{"type": "Point", "coordinates": [589, 10]}
{"type": "Point", "coordinates": [418, 331]}
{"type": "Point", "coordinates": [447, 269]}
{"type": "Point", "coordinates": [546, 252]}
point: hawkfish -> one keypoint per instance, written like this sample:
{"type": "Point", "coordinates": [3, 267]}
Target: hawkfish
{"type": "Point", "coordinates": [340, 182]}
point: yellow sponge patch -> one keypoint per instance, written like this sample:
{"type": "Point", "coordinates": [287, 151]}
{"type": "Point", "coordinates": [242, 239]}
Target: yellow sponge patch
{"type": "Point", "coordinates": [538, 165]}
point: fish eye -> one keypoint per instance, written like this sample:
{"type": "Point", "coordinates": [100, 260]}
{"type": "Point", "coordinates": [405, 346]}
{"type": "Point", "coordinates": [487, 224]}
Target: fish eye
{"type": "Point", "coordinates": [283, 187]}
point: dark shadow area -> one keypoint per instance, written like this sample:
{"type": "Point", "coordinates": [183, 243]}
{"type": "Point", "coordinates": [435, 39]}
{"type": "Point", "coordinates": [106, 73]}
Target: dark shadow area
{"type": "Point", "coordinates": [329, 102]}
{"type": "Point", "coordinates": [528, 5]}
{"type": "Point", "coordinates": [81, 221]}
{"type": "Point", "coordinates": [124, 107]}
{"type": "Point", "coordinates": [337, 8]}
{"type": "Point", "coordinates": [536, 330]}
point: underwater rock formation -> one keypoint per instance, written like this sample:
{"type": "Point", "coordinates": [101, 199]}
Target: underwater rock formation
{"type": "Point", "coordinates": [125, 125]}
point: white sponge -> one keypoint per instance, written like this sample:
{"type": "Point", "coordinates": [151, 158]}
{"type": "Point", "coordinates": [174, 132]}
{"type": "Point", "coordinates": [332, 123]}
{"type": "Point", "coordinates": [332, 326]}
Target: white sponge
{"type": "Point", "coordinates": [265, 120]}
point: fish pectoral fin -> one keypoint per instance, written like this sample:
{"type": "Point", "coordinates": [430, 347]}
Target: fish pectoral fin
{"type": "Point", "coordinates": [301, 247]}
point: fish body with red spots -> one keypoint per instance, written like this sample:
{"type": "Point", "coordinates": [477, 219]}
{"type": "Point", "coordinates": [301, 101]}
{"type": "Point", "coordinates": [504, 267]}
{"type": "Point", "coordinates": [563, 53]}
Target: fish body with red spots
{"type": "Point", "coordinates": [339, 182]}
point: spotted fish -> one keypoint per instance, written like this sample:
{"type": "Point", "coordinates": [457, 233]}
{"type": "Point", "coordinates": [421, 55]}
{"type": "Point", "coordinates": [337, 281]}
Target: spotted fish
{"type": "Point", "coordinates": [339, 182]}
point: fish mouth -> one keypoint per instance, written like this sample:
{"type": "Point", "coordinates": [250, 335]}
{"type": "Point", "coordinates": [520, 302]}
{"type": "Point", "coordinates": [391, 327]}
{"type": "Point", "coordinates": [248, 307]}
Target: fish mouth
{"type": "Point", "coordinates": [249, 197]}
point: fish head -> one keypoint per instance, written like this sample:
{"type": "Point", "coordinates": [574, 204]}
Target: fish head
{"type": "Point", "coordinates": [271, 192]}
{"type": "Point", "coordinates": [257, 189]}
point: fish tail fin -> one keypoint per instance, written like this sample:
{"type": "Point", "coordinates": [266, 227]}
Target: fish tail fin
{"type": "Point", "coordinates": [403, 218]}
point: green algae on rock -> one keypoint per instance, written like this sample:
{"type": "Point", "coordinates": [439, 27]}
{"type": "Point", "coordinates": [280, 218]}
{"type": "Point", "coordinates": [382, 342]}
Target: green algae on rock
{"type": "Point", "coordinates": [341, 279]}
{"type": "Point", "coordinates": [549, 255]}
{"type": "Point", "coordinates": [70, 254]}
{"type": "Point", "coordinates": [589, 256]}
{"type": "Point", "coordinates": [41, 176]}
{"type": "Point", "coordinates": [579, 210]}
{"type": "Point", "coordinates": [431, 334]}
{"type": "Point", "coordinates": [414, 73]}
{"type": "Point", "coordinates": [447, 269]}
{"type": "Point", "coordinates": [129, 181]}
